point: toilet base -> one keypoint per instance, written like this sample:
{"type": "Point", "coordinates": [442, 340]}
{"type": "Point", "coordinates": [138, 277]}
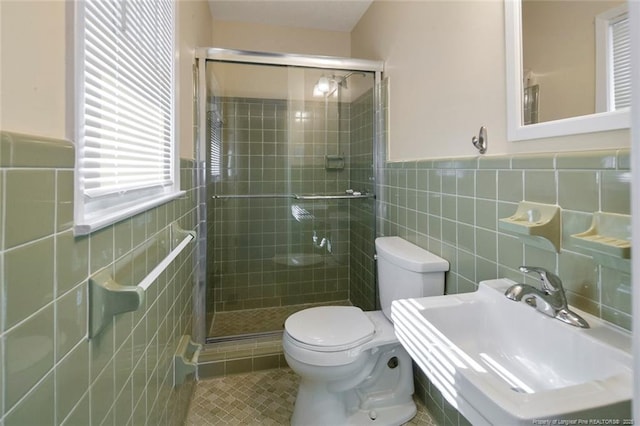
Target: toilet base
{"type": "Point", "coordinates": [392, 416]}
{"type": "Point", "coordinates": [380, 394]}
{"type": "Point", "coordinates": [330, 412]}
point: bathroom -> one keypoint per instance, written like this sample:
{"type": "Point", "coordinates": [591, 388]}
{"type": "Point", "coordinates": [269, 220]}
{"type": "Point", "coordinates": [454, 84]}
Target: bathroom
{"type": "Point", "coordinates": [437, 192]}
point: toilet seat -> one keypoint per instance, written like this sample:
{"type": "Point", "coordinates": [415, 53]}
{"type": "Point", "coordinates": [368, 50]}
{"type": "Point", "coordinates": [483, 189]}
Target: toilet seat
{"type": "Point", "coordinates": [314, 355]}
{"type": "Point", "coordinates": [330, 328]}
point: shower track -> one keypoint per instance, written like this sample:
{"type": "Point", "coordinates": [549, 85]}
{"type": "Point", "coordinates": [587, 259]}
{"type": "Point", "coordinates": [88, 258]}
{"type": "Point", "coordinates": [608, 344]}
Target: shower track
{"type": "Point", "coordinates": [240, 337]}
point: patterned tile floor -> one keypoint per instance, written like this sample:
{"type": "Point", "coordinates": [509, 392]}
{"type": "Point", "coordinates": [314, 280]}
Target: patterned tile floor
{"type": "Point", "coordinates": [249, 321]}
{"type": "Point", "coordinates": [259, 398]}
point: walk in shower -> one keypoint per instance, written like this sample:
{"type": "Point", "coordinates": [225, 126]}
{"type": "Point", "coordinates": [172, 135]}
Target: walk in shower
{"type": "Point", "coordinates": [289, 146]}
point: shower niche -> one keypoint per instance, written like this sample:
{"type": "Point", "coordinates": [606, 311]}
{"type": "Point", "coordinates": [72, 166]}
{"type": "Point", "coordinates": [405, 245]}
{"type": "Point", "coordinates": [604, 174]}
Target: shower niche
{"type": "Point", "coordinates": [286, 146]}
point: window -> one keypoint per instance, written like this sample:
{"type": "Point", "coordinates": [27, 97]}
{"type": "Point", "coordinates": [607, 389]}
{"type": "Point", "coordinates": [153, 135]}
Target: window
{"type": "Point", "coordinates": [613, 60]}
{"type": "Point", "coordinates": [126, 150]}
{"type": "Point", "coordinates": [214, 123]}
{"type": "Point", "coordinates": [621, 62]}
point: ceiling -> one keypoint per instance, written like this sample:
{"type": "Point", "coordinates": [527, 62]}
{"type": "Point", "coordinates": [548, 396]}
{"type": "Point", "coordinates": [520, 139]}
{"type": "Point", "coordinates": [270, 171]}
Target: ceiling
{"type": "Point", "coordinates": [328, 15]}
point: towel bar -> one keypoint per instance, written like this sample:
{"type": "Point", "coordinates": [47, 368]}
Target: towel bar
{"type": "Point", "coordinates": [108, 298]}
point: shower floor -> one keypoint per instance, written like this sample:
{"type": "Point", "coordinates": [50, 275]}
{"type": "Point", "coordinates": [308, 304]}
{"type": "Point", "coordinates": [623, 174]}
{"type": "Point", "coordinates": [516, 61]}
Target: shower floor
{"type": "Point", "coordinates": [262, 320]}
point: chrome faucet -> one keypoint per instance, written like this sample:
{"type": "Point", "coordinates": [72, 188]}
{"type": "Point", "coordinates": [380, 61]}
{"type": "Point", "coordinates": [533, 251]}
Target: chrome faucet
{"type": "Point", "coordinates": [551, 300]}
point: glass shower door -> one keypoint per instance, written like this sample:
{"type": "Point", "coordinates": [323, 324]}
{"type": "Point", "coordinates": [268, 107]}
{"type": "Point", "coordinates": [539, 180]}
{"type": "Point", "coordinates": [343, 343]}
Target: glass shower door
{"type": "Point", "coordinates": [279, 164]}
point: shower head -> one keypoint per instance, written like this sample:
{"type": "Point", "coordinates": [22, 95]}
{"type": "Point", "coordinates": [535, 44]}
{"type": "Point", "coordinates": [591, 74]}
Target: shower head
{"type": "Point", "coordinates": [343, 80]}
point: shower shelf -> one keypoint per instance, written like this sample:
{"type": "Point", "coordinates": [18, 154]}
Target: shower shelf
{"type": "Point", "coordinates": [108, 298]}
{"type": "Point", "coordinates": [341, 196]}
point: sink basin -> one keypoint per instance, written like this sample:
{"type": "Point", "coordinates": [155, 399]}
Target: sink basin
{"type": "Point", "coordinates": [501, 362]}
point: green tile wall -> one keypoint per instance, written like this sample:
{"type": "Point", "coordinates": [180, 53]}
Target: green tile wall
{"type": "Point", "coordinates": [49, 372]}
{"type": "Point", "coordinates": [451, 207]}
{"type": "Point", "coordinates": [277, 147]}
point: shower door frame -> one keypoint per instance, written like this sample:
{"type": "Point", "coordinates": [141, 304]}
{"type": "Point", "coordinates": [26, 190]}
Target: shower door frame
{"type": "Point", "coordinates": [199, 326]}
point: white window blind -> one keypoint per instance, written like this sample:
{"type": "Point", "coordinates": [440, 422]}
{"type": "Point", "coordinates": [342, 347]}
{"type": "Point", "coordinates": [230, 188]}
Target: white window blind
{"type": "Point", "coordinates": [613, 60]}
{"type": "Point", "coordinates": [621, 48]}
{"type": "Point", "coordinates": [215, 143]}
{"type": "Point", "coordinates": [125, 77]}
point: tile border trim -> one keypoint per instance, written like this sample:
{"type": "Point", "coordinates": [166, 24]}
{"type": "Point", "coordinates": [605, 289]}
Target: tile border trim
{"type": "Point", "coordinates": [21, 150]}
{"type": "Point", "coordinates": [610, 159]}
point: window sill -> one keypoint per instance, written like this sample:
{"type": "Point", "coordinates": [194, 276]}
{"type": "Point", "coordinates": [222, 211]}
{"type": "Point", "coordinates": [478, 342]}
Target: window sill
{"type": "Point", "coordinates": [95, 224]}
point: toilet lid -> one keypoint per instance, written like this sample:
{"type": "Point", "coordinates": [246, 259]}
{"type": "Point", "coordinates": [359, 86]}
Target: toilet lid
{"type": "Point", "coordinates": [330, 328]}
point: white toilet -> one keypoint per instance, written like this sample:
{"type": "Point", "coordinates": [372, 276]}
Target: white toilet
{"type": "Point", "coordinates": [353, 370]}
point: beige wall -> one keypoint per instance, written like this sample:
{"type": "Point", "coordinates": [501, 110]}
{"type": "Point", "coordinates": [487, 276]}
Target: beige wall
{"type": "Point", "coordinates": [194, 26]}
{"type": "Point", "coordinates": [445, 61]}
{"type": "Point", "coordinates": [269, 38]}
{"type": "Point", "coordinates": [446, 65]}
{"type": "Point", "coordinates": [276, 82]}
{"type": "Point", "coordinates": [35, 60]}
{"type": "Point", "coordinates": [32, 67]}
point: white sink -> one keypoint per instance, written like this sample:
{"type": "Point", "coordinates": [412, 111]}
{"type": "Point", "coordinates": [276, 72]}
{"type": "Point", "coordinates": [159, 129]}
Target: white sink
{"type": "Point", "coordinates": [501, 362]}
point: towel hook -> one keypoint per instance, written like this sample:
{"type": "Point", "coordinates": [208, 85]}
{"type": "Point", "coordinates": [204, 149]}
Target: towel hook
{"type": "Point", "coordinates": [481, 140]}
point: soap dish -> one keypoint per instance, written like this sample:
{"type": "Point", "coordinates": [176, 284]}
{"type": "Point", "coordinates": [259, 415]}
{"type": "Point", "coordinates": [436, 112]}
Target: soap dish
{"type": "Point", "coordinates": [536, 224]}
{"type": "Point", "coordinates": [608, 239]}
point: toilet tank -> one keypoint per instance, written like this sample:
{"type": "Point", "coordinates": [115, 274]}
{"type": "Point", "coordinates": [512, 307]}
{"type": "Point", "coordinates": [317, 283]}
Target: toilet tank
{"type": "Point", "coordinates": [407, 271]}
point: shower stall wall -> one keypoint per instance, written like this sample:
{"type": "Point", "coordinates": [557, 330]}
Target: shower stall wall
{"type": "Point", "coordinates": [289, 152]}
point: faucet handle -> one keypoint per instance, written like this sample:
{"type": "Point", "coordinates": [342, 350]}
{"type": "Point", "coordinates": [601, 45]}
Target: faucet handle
{"type": "Point", "coordinates": [551, 283]}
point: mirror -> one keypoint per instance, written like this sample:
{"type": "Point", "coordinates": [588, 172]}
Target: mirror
{"type": "Point", "coordinates": [546, 100]}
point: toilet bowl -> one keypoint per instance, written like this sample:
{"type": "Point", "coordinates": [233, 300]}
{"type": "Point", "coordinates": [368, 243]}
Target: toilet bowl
{"type": "Point", "coordinates": [353, 370]}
